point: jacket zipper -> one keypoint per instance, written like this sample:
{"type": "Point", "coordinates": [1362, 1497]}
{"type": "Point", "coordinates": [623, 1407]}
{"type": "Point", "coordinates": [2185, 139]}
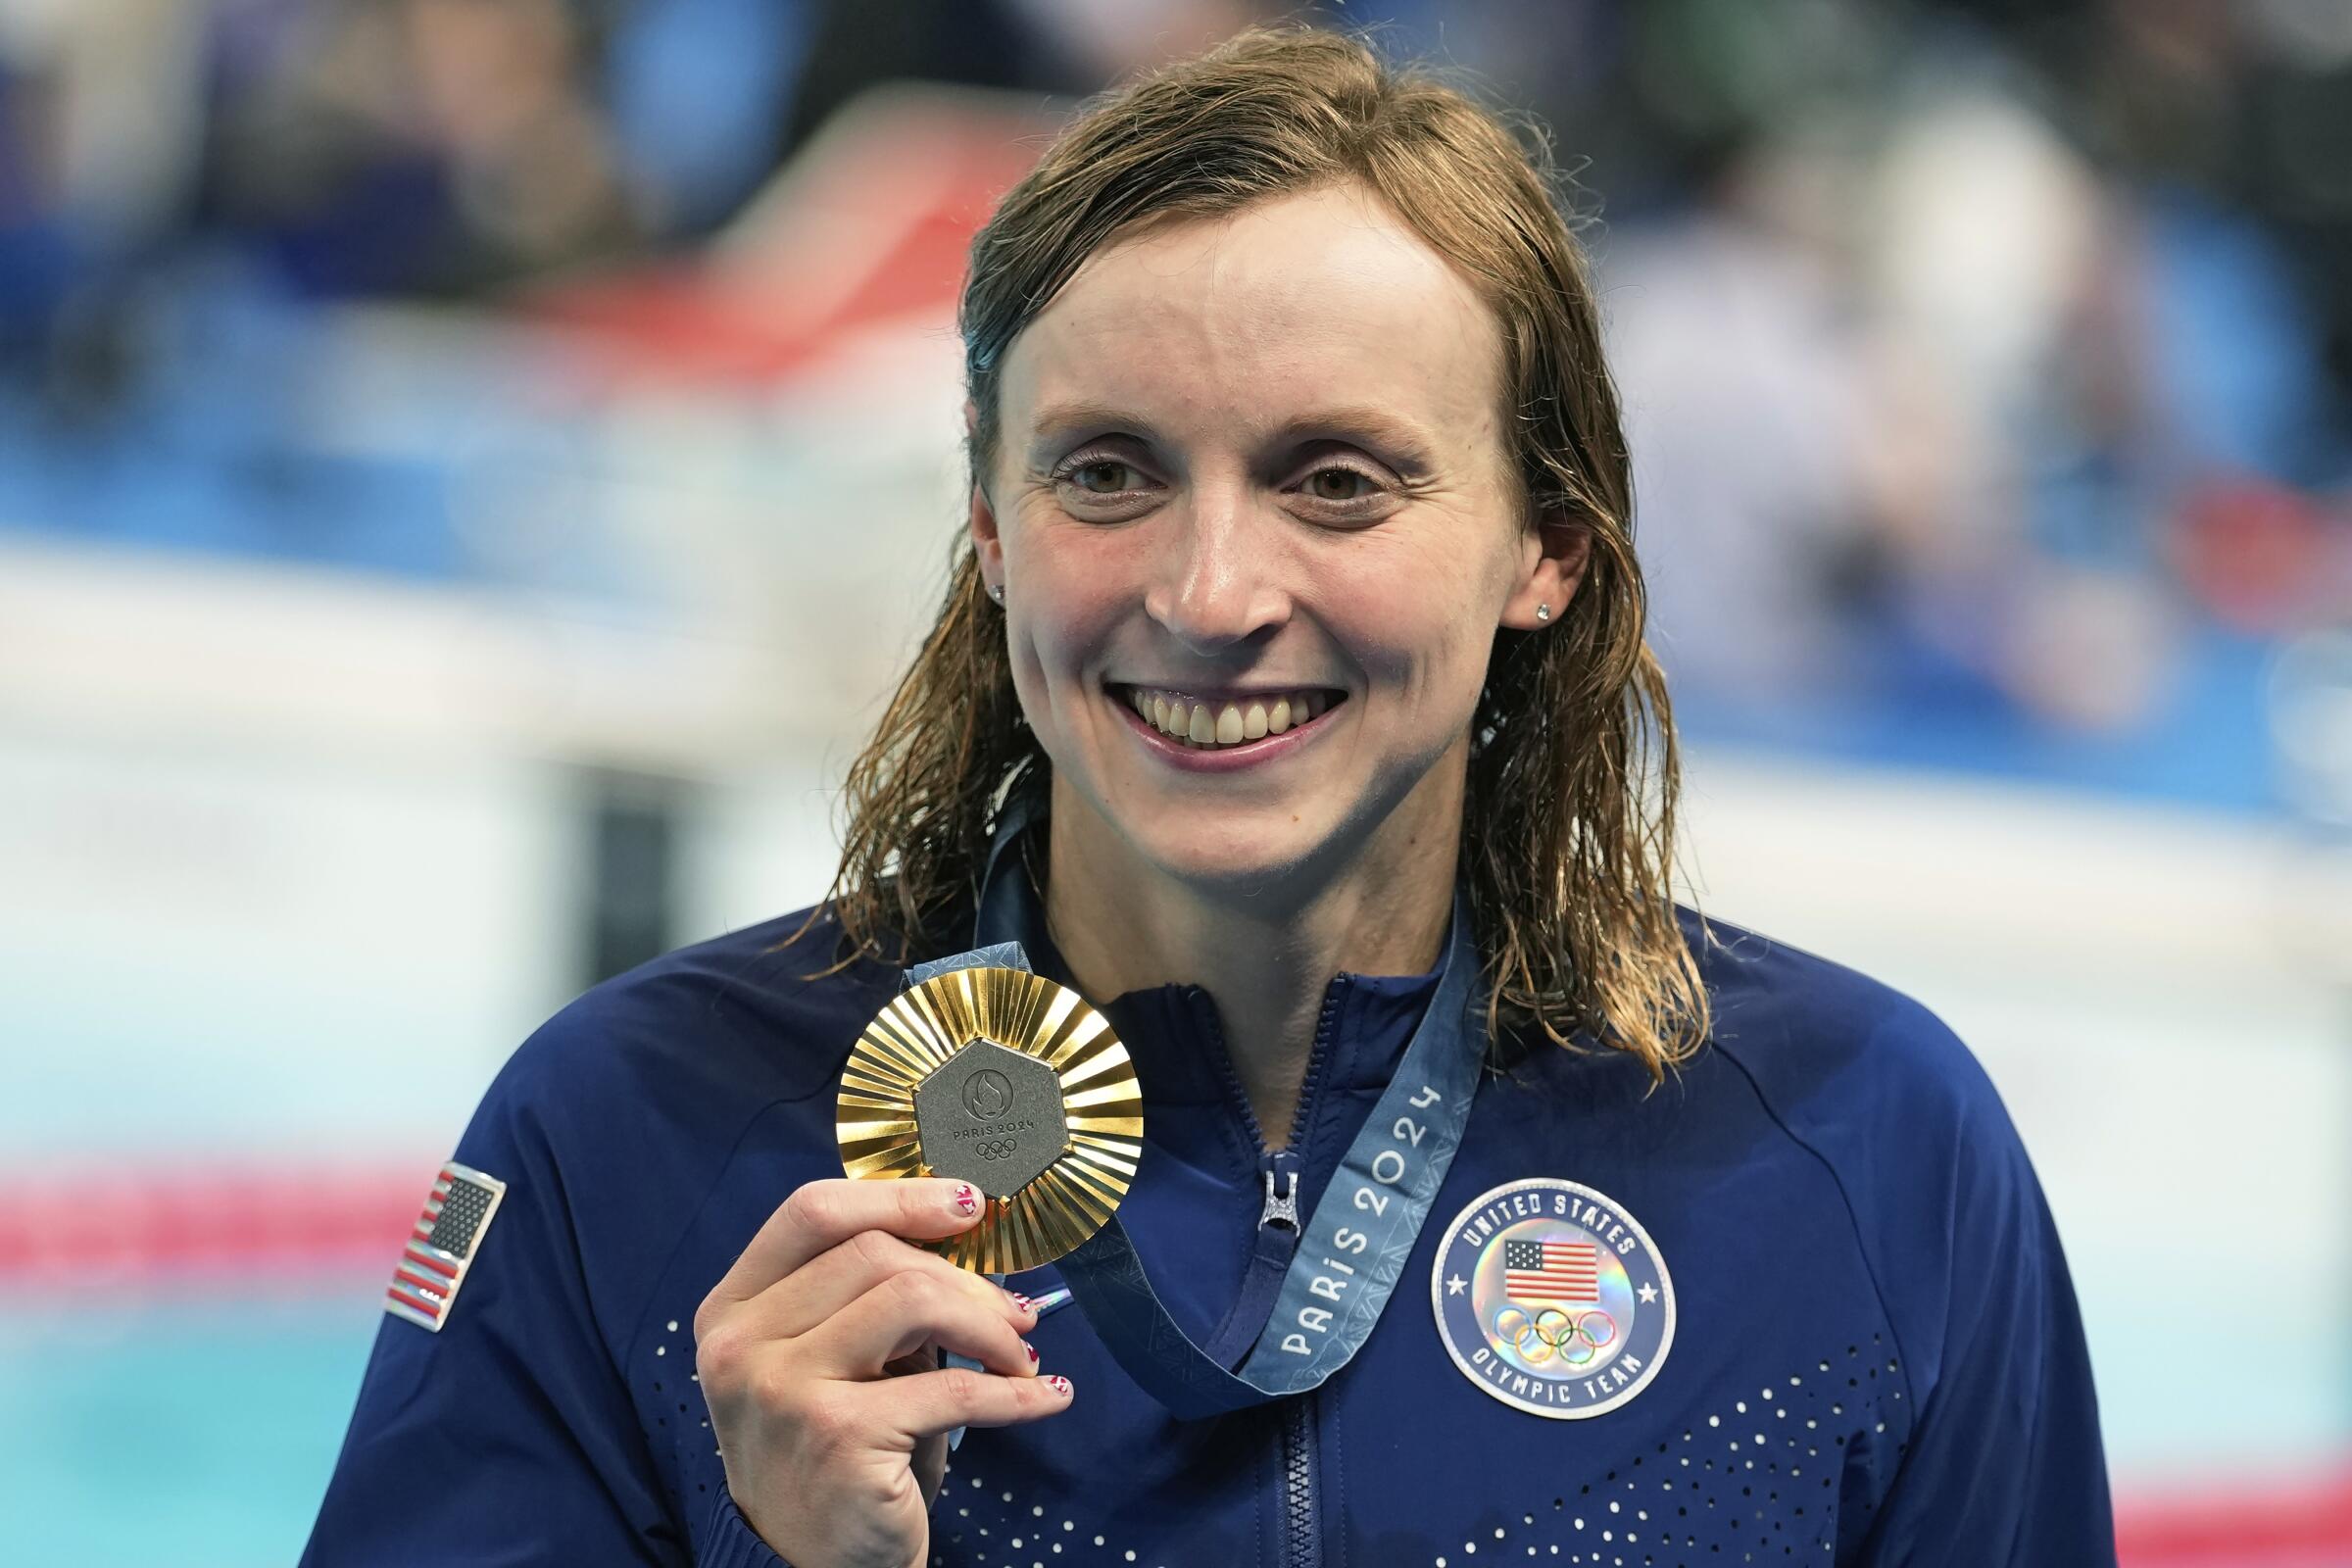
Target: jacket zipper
{"type": "Point", "coordinates": [1302, 1546]}
{"type": "Point", "coordinates": [1318, 1064]}
{"type": "Point", "coordinates": [1301, 1543]}
{"type": "Point", "coordinates": [1281, 1201]}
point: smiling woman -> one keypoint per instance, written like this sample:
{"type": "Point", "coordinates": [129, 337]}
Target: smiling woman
{"type": "Point", "coordinates": [1289, 702]}
{"type": "Point", "coordinates": [1285, 375]}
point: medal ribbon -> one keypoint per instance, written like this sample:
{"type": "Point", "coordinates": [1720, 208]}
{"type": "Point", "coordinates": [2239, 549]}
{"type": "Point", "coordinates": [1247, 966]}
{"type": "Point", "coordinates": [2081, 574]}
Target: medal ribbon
{"type": "Point", "coordinates": [1352, 1250]}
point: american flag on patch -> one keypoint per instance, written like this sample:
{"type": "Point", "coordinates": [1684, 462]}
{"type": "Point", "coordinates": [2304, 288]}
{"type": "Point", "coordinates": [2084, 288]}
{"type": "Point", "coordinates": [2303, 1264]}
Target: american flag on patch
{"type": "Point", "coordinates": [442, 1244]}
{"type": "Point", "coordinates": [1551, 1271]}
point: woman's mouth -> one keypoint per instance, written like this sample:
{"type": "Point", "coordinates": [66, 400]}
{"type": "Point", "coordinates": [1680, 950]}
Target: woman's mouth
{"type": "Point", "coordinates": [1213, 723]}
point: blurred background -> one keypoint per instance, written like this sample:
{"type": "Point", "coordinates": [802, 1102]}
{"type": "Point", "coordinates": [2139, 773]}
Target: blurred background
{"type": "Point", "coordinates": [470, 470]}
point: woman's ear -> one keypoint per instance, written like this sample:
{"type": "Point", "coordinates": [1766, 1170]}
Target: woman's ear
{"type": "Point", "coordinates": [1553, 567]}
{"type": "Point", "coordinates": [986, 544]}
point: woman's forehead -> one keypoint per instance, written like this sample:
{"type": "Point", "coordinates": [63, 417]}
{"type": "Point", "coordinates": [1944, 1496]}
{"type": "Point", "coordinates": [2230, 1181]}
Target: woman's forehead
{"type": "Point", "coordinates": [1256, 316]}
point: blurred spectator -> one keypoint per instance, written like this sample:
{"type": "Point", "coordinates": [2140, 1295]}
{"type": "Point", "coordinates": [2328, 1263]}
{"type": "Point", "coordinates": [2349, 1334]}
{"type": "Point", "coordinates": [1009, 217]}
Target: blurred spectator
{"type": "Point", "coordinates": [404, 146]}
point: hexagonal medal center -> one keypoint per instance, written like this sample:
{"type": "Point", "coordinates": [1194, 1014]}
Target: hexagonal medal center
{"type": "Point", "coordinates": [991, 1117]}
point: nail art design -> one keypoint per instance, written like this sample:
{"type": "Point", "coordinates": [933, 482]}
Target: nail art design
{"type": "Point", "coordinates": [966, 1199]}
{"type": "Point", "coordinates": [1030, 1349]}
{"type": "Point", "coordinates": [1060, 1385]}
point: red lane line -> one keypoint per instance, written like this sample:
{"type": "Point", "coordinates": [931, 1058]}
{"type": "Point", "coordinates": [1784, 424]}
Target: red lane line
{"type": "Point", "coordinates": [2240, 1529]}
{"type": "Point", "coordinates": [132, 1228]}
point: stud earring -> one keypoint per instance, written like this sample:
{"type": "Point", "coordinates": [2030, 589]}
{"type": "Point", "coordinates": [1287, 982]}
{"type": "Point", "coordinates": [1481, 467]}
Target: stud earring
{"type": "Point", "coordinates": [997, 593]}
{"type": "Point", "coordinates": [1542, 612]}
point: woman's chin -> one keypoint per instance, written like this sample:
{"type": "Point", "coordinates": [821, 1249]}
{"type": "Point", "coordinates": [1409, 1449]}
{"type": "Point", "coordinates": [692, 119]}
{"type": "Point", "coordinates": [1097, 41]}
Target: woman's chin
{"type": "Point", "coordinates": [1219, 855]}
{"type": "Point", "coordinates": [1228, 841]}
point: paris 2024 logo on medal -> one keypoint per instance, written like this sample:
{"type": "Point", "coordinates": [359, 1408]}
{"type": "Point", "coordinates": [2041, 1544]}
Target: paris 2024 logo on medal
{"type": "Point", "coordinates": [1552, 1298]}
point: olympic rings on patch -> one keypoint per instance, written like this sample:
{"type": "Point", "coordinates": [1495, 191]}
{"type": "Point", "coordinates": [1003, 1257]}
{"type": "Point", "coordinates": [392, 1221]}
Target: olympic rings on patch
{"type": "Point", "coordinates": [1576, 1338]}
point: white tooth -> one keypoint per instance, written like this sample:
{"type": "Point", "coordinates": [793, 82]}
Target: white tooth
{"type": "Point", "coordinates": [1307, 705]}
{"type": "Point", "coordinates": [1278, 719]}
{"type": "Point", "coordinates": [1160, 713]}
{"type": "Point", "coordinates": [1253, 722]}
{"type": "Point", "coordinates": [1142, 705]}
{"type": "Point", "coordinates": [1203, 728]}
{"type": "Point", "coordinates": [1229, 726]}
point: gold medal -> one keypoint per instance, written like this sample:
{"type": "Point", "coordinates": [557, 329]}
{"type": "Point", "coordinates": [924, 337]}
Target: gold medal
{"type": "Point", "coordinates": [1006, 1080]}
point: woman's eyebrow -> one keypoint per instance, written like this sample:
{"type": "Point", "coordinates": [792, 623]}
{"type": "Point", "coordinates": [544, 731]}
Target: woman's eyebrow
{"type": "Point", "coordinates": [1395, 435]}
{"type": "Point", "coordinates": [1055, 421]}
{"type": "Point", "coordinates": [1392, 433]}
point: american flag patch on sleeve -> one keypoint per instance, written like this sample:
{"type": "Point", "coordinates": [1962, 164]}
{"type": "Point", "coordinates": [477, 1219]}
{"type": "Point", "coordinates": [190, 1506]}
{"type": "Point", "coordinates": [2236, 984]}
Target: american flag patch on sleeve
{"type": "Point", "coordinates": [443, 1244]}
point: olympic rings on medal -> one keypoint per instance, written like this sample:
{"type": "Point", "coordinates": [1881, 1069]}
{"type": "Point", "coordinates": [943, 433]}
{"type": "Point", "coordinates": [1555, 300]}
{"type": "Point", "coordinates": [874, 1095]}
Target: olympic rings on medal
{"type": "Point", "coordinates": [1576, 1338]}
{"type": "Point", "coordinates": [997, 1149]}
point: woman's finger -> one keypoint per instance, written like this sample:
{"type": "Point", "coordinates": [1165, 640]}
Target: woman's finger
{"type": "Point", "coordinates": [840, 1275]}
{"type": "Point", "coordinates": [822, 1214]}
{"type": "Point", "coordinates": [932, 1402]}
{"type": "Point", "coordinates": [906, 1311]}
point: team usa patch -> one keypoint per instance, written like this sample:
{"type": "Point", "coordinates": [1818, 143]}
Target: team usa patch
{"type": "Point", "coordinates": [442, 1244]}
{"type": "Point", "coordinates": [1551, 1296]}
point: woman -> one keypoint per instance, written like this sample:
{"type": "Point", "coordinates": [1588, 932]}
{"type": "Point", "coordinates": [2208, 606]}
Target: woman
{"type": "Point", "coordinates": [1294, 678]}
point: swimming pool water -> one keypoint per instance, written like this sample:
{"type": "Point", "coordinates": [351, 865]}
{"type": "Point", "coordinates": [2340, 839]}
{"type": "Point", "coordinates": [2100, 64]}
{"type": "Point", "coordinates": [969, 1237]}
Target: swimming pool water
{"type": "Point", "coordinates": [195, 1433]}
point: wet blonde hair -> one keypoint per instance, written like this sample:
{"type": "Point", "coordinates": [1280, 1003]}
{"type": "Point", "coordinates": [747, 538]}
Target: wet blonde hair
{"type": "Point", "coordinates": [1568, 832]}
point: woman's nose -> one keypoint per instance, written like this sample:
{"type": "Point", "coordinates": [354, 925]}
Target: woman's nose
{"type": "Point", "coordinates": [1215, 582]}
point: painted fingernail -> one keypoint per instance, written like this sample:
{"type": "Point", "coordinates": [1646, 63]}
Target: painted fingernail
{"type": "Point", "coordinates": [966, 1201]}
{"type": "Point", "coordinates": [1019, 1301]}
{"type": "Point", "coordinates": [1030, 1349]}
{"type": "Point", "coordinates": [1060, 1385]}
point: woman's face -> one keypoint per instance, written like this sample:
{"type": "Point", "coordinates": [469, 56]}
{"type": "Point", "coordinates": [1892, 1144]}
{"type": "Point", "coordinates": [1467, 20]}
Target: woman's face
{"type": "Point", "coordinates": [1251, 488]}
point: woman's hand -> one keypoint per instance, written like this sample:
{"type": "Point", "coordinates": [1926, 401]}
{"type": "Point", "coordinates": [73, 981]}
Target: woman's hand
{"type": "Point", "coordinates": [817, 1354]}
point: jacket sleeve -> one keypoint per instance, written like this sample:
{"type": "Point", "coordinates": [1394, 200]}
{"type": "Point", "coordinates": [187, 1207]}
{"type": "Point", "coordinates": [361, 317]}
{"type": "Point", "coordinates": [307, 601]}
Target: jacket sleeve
{"type": "Point", "coordinates": [2006, 1464]}
{"type": "Point", "coordinates": [508, 1436]}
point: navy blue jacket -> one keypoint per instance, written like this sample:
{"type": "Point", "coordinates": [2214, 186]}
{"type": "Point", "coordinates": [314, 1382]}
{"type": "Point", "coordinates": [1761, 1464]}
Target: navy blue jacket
{"type": "Point", "coordinates": [1876, 1356]}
